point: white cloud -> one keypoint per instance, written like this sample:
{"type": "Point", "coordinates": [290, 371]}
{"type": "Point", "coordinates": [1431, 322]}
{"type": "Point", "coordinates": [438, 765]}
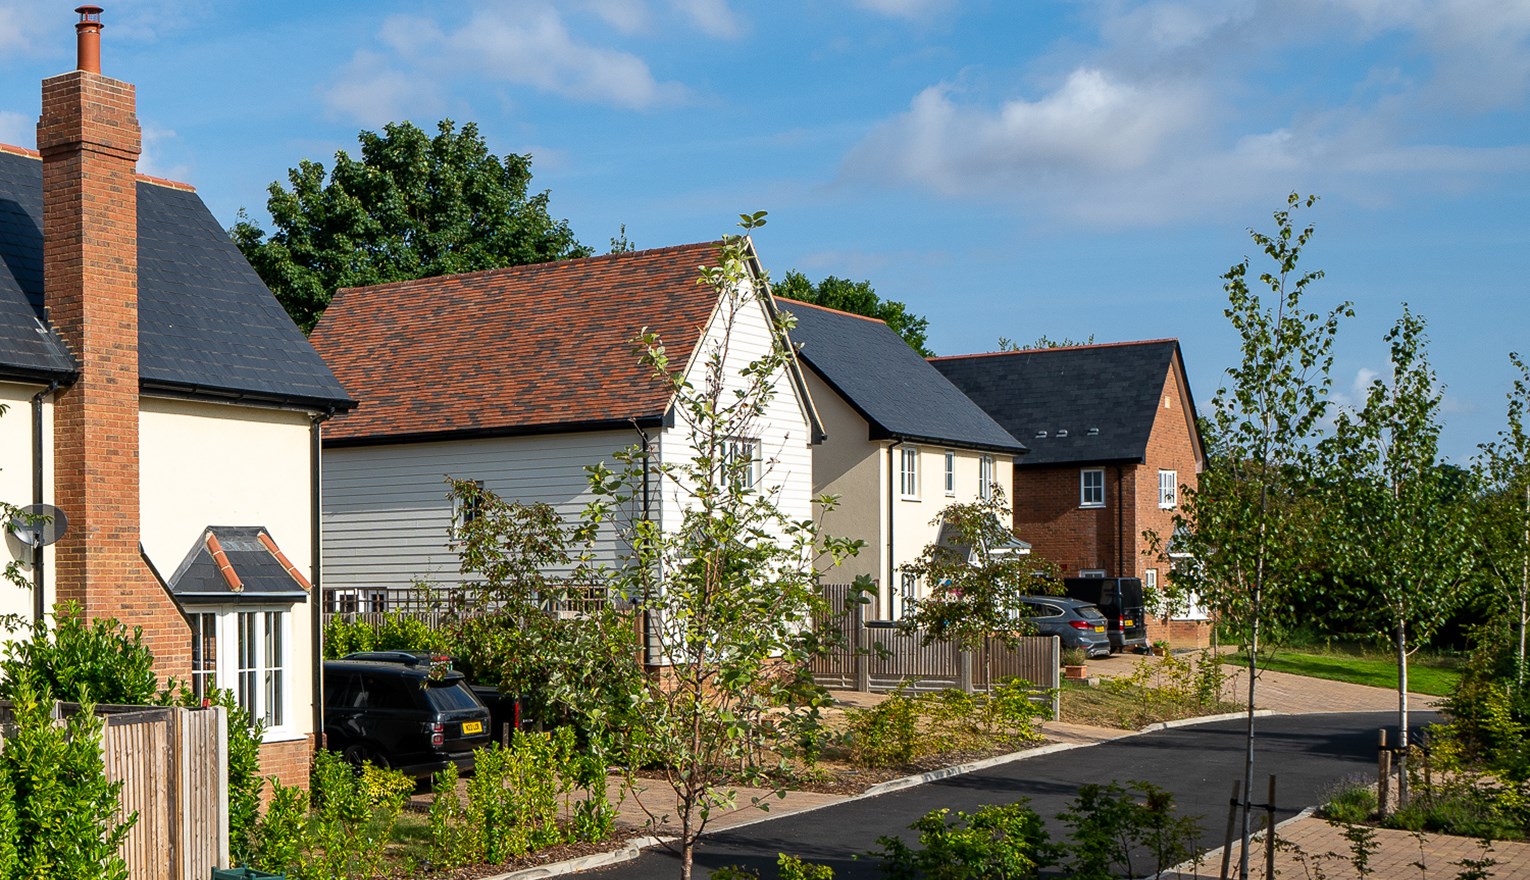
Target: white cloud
{"type": "Point", "coordinates": [18, 129]}
{"type": "Point", "coordinates": [155, 143]}
{"type": "Point", "coordinates": [533, 49]}
{"type": "Point", "coordinates": [1090, 123]}
{"type": "Point", "coordinates": [712, 17]}
{"type": "Point", "coordinates": [914, 10]}
{"type": "Point", "coordinates": [626, 16]}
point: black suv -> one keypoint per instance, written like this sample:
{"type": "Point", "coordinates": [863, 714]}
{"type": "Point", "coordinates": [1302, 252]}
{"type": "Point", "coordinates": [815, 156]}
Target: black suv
{"type": "Point", "coordinates": [416, 717]}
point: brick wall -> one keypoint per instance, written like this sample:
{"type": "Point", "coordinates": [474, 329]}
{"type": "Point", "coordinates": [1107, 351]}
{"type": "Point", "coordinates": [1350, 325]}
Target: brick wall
{"type": "Point", "coordinates": [289, 762]}
{"type": "Point", "coordinates": [89, 139]}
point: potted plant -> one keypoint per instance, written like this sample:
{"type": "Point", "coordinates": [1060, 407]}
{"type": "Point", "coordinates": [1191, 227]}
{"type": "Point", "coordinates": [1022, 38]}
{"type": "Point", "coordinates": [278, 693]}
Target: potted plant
{"type": "Point", "coordinates": [1073, 663]}
{"type": "Point", "coordinates": [1161, 648]}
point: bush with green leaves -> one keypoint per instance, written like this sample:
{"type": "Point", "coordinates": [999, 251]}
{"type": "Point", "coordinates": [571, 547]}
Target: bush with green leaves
{"type": "Point", "coordinates": [1351, 803]}
{"type": "Point", "coordinates": [340, 831]}
{"type": "Point", "coordinates": [787, 868]}
{"type": "Point", "coordinates": [61, 816]}
{"type": "Point", "coordinates": [81, 660]}
{"type": "Point", "coordinates": [997, 842]}
{"type": "Point", "coordinates": [396, 631]}
{"type": "Point", "coordinates": [885, 734]}
{"type": "Point", "coordinates": [1110, 822]}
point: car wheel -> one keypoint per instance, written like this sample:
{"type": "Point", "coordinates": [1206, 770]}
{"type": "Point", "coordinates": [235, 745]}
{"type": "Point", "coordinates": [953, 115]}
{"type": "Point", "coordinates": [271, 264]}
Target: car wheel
{"type": "Point", "coordinates": [358, 753]}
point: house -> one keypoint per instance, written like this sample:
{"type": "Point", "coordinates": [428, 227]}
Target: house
{"type": "Point", "coordinates": [520, 378]}
{"type": "Point", "coordinates": [903, 443]}
{"type": "Point", "coordinates": [162, 403]}
{"type": "Point", "coordinates": [1112, 437]}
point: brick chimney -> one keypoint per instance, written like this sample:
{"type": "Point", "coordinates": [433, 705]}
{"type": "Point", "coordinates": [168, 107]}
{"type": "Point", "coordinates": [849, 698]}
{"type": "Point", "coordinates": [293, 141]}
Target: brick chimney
{"type": "Point", "coordinates": [89, 140]}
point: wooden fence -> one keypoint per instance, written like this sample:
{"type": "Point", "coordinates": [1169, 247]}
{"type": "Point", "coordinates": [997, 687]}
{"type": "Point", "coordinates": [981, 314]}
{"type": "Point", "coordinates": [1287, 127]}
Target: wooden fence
{"type": "Point", "coordinates": [877, 656]}
{"type": "Point", "coordinates": [173, 765]}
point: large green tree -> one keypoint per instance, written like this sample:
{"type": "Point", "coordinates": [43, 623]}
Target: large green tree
{"type": "Point", "coordinates": [1243, 541]}
{"type": "Point", "coordinates": [1399, 526]}
{"type": "Point", "coordinates": [412, 206]}
{"type": "Point", "coordinates": [1503, 513]}
{"type": "Point", "coordinates": [859, 298]}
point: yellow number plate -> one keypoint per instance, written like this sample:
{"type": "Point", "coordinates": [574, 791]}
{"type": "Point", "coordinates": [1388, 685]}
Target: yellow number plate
{"type": "Point", "coordinates": [472, 727]}
{"type": "Point", "coordinates": [1128, 623]}
{"type": "Point", "coordinates": [1099, 629]}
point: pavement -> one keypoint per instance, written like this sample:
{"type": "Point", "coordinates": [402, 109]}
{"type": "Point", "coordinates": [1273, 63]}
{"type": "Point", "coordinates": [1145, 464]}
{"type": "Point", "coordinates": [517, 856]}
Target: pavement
{"type": "Point", "coordinates": [1315, 846]}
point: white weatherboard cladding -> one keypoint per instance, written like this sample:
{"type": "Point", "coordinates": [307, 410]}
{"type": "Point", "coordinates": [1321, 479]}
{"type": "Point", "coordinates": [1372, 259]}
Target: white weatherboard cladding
{"type": "Point", "coordinates": [783, 433]}
{"type": "Point", "coordinates": [16, 451]}
{"type": "Point", "coordinates": [387, 515]}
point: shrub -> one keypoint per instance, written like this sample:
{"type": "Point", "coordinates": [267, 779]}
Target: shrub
{"type": "Point", "coordinates": [396, 631]}
{"type": "Point", "coordinates": [79, 661]}
{"type": "Point", "coordinates": [1005, 842]}
{"type": "Point", "coordinates": [1351, 804]}
{"type": "Point", "coordinates": [884, 735]}
{"type": "Point", "coordinates": [1109, 821]}
{"type": "Point", "coordinates": [453, 841]}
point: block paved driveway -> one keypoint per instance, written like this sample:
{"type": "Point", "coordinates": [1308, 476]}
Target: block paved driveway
{"type": "Point", "coordinates": [1310, 754]}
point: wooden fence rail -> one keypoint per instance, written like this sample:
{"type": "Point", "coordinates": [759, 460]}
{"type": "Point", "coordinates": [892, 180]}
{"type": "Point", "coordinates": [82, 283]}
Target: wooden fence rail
{"type": "Point", "coordinates": [877, 656]}
{"type": "Point", "coordinates": [173, 766]}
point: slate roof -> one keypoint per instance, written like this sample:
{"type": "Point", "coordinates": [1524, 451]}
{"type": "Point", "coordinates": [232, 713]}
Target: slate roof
{"type": "Point", "coordinates": [207, 326]}
{"type": "Point", "coordinates": [526, 349]}
{"type": "Point", "coordinates": [896, 391]}
{"type": "Point", "coordinates": [231, 564]}
{"type": "Point", "coordinates": [1096, 403]}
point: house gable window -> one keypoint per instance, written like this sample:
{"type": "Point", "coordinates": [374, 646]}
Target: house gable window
{"type": "Point", "coordinates": [985, 477]}
{"type": "Point", "coordinates": [741, 460]}
{"type": "Point", "coordinates": [1091, 487]}
{"type": "Point", "coordinates": [1168, 489]}
{"type": "Point", "coordinates": [908, 472]}
{"type": "Point", "coordinates": [950, 472]}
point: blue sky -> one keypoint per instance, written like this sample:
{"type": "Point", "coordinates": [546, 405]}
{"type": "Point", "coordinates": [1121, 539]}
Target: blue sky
{"type": "Point", "coordinates": [1006, 167]}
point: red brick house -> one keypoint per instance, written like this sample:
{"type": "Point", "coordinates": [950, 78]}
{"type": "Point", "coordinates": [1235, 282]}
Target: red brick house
{"type": "Point", "coordinates": [1112, 437]}
{"type": "Point", "coordinates": [162, 401]}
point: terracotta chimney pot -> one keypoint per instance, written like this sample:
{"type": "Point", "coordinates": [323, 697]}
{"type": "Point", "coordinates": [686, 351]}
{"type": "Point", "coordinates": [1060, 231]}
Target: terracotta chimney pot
{"type": "Point", "coordinates": [88, 37]}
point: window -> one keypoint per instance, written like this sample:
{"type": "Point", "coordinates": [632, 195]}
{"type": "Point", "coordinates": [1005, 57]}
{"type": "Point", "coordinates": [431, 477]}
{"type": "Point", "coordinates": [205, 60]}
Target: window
{"type": "Point", "coordinates": [469, 508]}
{"type": "Point", "coordinates": [1150, 579]}
{"type": "Point", "coordinates": [908, 471]}
{"type": "Point", "coordinates": [1091, 488]}
{"type": "Point", "coordinates": [252, 643]}
{"type": "Point", "coordinates": [741, 460]}
{"type": "Point", "coordinates": [985, 477]}
{"type": "Point", "coordinates": [908, 593]}
{"type": "Point", "coordinates": [1168, 489]}
{"type": "Point", "coordinates": [1092, 573]}
{"type": "Point", "coordinates": [204, 654]}
{"type": "Point", "coordinates": [950, 472]}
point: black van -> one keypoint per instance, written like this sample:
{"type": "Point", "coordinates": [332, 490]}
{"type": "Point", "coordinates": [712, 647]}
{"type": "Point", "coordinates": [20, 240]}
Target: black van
{"type": "Point", "coordinates": [1120, 600]}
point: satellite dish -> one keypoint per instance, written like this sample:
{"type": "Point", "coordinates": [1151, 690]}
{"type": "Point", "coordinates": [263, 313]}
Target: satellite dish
{"type": "Point", "coordinates": [38, 525]}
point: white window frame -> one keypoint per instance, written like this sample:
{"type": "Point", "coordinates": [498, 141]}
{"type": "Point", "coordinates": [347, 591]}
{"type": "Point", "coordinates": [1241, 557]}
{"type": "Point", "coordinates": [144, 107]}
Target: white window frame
{"type": "Point", "coordinates": [1091, 573]}
{"type": "Point", "coordinates": [908, 472]}
{"type": "Point", "coordinates": [908, 592]}
{"type": "Point", "coordinates": [262, 686]}
{"type": "Point", "coordinates": [950, 472]}
{"type": "Point", "coordinates": [746, 448]}
{"type": "Point", "coordinates": [1168, 489]}
{"type": "Point", "coordinates": [1086, 491]}
{"type": "Point", "coordinates": [985, 477]}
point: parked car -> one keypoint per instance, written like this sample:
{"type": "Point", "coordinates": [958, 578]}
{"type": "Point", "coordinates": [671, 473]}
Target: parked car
{"type": "Point", "coordinates": [504, 709]}
{"type": "Point", "coordinates": [1120, 600]}
{"type": "Point", "coordinates": [1076, 624]}
{"type": "Point", "coordinates": [415, 717]}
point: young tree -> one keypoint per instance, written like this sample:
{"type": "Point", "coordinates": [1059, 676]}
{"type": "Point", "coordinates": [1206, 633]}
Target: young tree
{"type": "Point", "coordinates": [975, 577]}
{"type": "Point", "coordinates": [859, 298]}
{"type": "Point", "coordinates": [413, 206]}
{"type": "Point", "coordinates": [1240, 542]}
{"type": "Point", "coordinates": [1041, 342]}
{"type": "Point", "coordinates": [730, 589]}
{"type": "Point", "coordinates": [1399, 527]}
{"type": "Point", "coordinates": [1502, 520]}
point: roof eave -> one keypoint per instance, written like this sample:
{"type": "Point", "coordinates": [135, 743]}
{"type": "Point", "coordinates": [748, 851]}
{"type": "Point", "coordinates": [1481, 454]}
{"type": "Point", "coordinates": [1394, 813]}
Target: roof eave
{"type": "Point", "coordinates": [662, 420]}
{"type": "Point", "coordinates": [193, 391]}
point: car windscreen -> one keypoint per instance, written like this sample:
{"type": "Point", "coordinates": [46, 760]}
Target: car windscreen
{"type": "Point", "coordinates": [449, 697]}
{"type": "Point", "coordinates": [1089, 612]}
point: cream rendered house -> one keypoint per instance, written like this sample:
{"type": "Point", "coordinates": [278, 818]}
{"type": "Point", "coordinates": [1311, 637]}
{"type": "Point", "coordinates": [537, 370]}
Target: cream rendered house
{"type": "Point", "coordinates": [160, 400]}
{"type": "Point", "coordinates": [902, 444]}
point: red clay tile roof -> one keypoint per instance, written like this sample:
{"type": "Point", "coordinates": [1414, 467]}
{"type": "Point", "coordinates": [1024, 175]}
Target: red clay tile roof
{"type": "Point", "coordinates": [523, 349]}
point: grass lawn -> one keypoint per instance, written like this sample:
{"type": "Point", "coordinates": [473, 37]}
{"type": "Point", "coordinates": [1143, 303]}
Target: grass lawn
{"type": "Point", "coordinates": [1426, 675]}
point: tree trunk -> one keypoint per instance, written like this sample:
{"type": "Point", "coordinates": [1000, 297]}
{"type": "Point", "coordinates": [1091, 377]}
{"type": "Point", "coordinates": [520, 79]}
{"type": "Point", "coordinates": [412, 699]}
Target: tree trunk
{"type": "Point", "coordinates": [1402, 713]}
{"type": "Point", "coordinates": [1248, 754]}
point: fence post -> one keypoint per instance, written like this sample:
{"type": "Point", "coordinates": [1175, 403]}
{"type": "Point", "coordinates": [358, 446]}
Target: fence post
{"type": "Point", "coordinates": [862, 658]}
{"type": "Point", "coordinates": [1383, 772]}
{"type": "Point", "coordinates": [1054, 681]}
{"type": "Point", "coordinates": [1232, 827]}
{"type": "Point", "coordinates": [1269, 833]}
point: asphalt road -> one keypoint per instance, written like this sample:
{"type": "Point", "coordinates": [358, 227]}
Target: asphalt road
{"type": "Point", "coordinates": [1308, 753]}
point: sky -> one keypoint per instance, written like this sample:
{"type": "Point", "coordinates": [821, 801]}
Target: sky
{"type": "Point", "coordinates": [1007, 168]}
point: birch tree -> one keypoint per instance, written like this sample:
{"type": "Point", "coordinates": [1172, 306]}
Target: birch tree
{"type": "Point", "coordinates": [1399, 530]}
{"type": "Point", "coordinates": [1241, 544]}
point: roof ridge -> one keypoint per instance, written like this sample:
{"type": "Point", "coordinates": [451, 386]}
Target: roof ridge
{"type": "Point", "coordinates": [798, 302]}
{"type": "Point", "coordinates": [527, 267]}
{"type": "Point", "coordinates": [984, 354]}
{"type": "Point", "coordinates": [30, 153]}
